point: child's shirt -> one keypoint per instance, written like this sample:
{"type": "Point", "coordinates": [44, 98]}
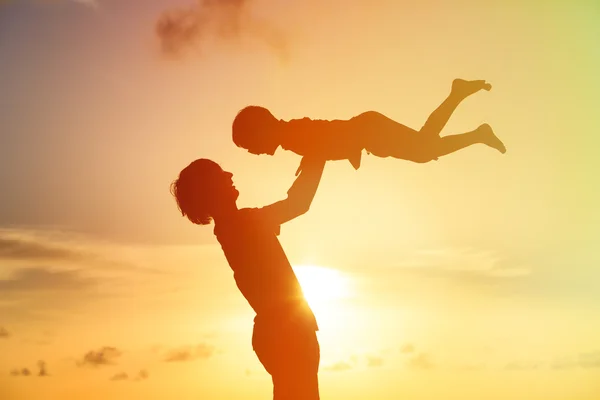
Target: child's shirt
{"type": "Point", "coordinates": [334, 140]}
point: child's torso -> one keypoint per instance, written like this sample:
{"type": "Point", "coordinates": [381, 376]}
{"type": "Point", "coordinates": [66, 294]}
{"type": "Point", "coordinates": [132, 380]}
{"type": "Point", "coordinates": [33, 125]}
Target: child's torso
{"type": "Point", "coordinates": [333, 140]}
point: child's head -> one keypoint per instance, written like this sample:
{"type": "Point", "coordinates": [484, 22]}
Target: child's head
{"type": "Point", "coordinates": [255, 129]}
{"type": "Point", "coordinates": [203, 188]}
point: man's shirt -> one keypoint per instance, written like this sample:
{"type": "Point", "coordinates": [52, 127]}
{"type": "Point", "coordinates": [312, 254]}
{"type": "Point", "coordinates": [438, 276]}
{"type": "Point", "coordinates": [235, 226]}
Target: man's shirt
{"type": "Point", "coordinates": [261, 269]}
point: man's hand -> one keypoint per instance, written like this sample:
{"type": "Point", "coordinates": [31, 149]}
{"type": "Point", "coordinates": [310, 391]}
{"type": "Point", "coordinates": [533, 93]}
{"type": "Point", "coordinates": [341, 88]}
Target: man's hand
{"type": "Point", "coordinates": [307, 161]}
{"type": "Point", "coordinates": [302, 161]}
{"type": "Point", "coordinates": [300, 195]}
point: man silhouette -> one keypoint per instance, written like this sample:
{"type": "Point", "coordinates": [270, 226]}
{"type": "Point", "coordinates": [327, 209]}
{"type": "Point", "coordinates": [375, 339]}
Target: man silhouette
{"type": "Point", "coordinates": [284, 336]}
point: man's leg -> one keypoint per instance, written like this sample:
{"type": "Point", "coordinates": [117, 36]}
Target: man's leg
{"type": "Point", "coordinates": [296, 375]}
{"type": "Point", "coordinates": [461, 89]}
{"type": "Point", "coordinates": [291, 355]}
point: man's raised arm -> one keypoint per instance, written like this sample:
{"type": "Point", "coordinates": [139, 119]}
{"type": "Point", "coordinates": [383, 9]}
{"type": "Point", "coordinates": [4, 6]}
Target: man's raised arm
{"type": "Point", "coordinates": [300, 195]}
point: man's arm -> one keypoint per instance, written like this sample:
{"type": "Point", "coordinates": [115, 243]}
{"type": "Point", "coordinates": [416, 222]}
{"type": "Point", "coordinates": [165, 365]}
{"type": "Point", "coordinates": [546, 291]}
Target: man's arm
{"type": "Point", "coordinates": [300, 195]}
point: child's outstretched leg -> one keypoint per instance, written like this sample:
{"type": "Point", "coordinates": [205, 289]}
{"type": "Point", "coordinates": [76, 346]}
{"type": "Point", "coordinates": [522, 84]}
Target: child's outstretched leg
{"type": "Point", "coordinates": [484, 134]}
{"type": "Point", "coordinates": [461, 89]}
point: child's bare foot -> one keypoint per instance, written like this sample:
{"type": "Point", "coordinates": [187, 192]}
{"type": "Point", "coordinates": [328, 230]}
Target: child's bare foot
{"type": "Point", "coordinates": [489, 138]}
{"type": "Point", "coordinates": [464, 88]}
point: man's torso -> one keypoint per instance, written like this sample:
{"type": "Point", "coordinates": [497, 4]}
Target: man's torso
{"type": "Point", "coordinates": [261, 269]}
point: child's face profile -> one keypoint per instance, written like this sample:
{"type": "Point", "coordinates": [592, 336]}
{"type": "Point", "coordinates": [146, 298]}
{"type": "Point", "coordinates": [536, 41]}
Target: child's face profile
{"type": "Point", "coordinates": [262, 140]}
{"type": "Point", "coordinates": [255, 129]}
{"type": "Point", "coordinates": [262, 147]}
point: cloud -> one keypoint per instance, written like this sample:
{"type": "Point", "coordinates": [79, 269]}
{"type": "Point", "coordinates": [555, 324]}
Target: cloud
{"type": "Point", "coordinates": [49, 272]}
{"type": "Point", "coordinates": [42, 371]}
{"type": "Point", "coordinates": [4, 333]}
{"type": "Point", "coordinates": [41, 247]}
{"type": "Point", "coordinates": [42, 368]}
{"type": "Point", "coordinates": [522, 366]}
{"type": "Point", "coordinates": [466, 262]}
{"type": "Point", "coordinates": [44, 279]}
{"type": "Point", "coordinates": [124, 376]}
{"type": "Point", "coordinates": [89, 3]}
{"type": "Point", "coordinates": [142, 375]}
{"type": "Point", "coordinates": [339, 366]}
{"type": "Point", "coordinates": [407, 348]}
{"type": "Point", "coordinates": [589, 360]}
{"type": "Point", "coordinates": [20, 372]}
{"type": "Point", "coordinates": [121, 376]}
{"type": "Point", "coordinates": [181, 30]}
{"type": "Point", "coordinates": [36, 293]}
{"type": "Point", "coordinates": [202, 351]}
{"type": "Point", "coordinates": [104, 356]}
{"type": "Point", "coordinates": [471, 367]}
{"type": "Point", "coordinates": [374, 361]}
{"type": "Point", "coordinates": [27, 248]}
{"type": "Point", "coordinates": [420, 361]}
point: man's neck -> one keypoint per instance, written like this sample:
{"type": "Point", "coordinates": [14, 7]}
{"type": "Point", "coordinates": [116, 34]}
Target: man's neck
{"type": "Point", "coordinates": [225, 212]}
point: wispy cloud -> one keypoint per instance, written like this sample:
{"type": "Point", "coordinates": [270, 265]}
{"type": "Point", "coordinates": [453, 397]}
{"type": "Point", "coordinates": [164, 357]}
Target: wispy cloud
{"type": "Point", "coordinates": [43, 279]}
{"type": "Point", "coordinates": [40, 293]}
{"type": "Point", "coordinates": [89, 3]}
{"type": "Point", "coordinates": [4, 333]}
{"type": "Point", "coordinates": [104, 356]}
{"type": "Point", "coordinates": [471, 367]}
{"type": "Point", "coordinates": [465, 262]}
{"type": "Point", "coordinates": [407, 348]}
{"type": "Point", "coordinates": [20, 372]}
{"type": "Point", "coordinates": [374, 361]}
{"type": "Point", "coordinates": [121, 376]}
{"type": "Point", "coordinates": [590, 360]}
{"type": "Point", "coordinates": [339, 366]}
{"type": "Point", "coordinates": [27, 248]}
{"type": "Point", "coordinates": [39, 247]}
{"type": "Point", "coordinates": [184, 29]}
{"type": "Point", "coordinates": [522, 365]}
{"type": "Point", "coordinates": [189, 353]}
{"type": "Point", "coordinates": [587, 360]}
{"type": "Point", "coordinates": [124, 376]}
{"type": "Point", "coordinates": [421, 361]}
{"type": "Point", "coordinates": [42, 368]}
{"type": "Point", "coordinates": [142, 375]}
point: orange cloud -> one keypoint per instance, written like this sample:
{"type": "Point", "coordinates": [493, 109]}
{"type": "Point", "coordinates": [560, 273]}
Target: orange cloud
{"type": "Point", "coordinates": [180, 30]}
{"type": "Point", "coordinates": [105, 356]}
{"type": "Point", "coordinates": [202, 351]}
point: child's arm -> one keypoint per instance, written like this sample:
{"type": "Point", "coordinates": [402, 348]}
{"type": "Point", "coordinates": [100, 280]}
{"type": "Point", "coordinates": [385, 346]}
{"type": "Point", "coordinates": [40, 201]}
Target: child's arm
{"type": "Point", "coordinates": [300, 195]}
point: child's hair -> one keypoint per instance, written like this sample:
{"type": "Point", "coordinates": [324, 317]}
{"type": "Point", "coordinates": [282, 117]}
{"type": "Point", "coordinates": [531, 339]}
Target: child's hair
{"type": "Point", "coordinates": [246, 124]}
{"type": "Point", "coordinates": [192, 190]}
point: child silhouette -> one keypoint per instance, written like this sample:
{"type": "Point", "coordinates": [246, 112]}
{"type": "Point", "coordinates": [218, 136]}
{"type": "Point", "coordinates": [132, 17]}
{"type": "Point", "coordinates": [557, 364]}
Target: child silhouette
{"type": "Point", "coordinates": [258, 131]}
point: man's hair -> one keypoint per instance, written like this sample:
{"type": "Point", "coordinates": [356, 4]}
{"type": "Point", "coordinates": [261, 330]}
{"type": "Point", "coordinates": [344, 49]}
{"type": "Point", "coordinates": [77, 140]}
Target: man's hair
{"type": "Point", "coordinates": [246, 123]}
{"type": "Point", "coordinates": [193, 190]}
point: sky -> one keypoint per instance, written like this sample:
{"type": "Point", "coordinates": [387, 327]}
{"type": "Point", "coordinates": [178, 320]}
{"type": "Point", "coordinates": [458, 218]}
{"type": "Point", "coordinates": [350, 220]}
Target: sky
{"type": "Point", "coordinates": [476, 276]}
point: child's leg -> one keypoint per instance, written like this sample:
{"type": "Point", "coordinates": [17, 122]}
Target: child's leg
{"type": "Point", "coordinates": [484, 134]}
{"type": "Point", "coordinates": [461, 89]}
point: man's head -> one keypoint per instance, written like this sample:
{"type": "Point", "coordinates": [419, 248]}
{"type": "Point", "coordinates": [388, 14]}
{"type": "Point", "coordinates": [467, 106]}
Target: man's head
{"type": "Point", "coordinates": [255, 129]}
{"type": "Point", "coordinates": [202, 190]}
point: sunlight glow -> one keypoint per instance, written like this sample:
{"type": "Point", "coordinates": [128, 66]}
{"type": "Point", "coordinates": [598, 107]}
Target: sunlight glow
{"type": "Point", "coordinates": [321, 286]}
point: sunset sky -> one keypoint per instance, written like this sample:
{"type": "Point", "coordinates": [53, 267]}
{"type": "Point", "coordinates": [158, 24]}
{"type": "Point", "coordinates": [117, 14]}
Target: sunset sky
{"type": "Point", "coordinates": [473, 277]}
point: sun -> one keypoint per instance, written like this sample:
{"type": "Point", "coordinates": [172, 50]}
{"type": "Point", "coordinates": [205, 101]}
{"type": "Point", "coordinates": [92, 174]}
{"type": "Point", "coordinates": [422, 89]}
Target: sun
{"type": "Point", "coordinates": [321, 286]}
